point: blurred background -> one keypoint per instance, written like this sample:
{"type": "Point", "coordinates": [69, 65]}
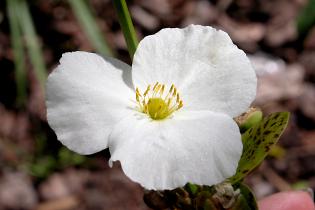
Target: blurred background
{"type": "Point", "coordinates": [37, 172]}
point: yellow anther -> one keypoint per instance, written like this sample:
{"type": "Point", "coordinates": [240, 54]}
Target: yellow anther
{"type": "Point", "coordinates": [169, 101]}
{"type": "Point", "coordinates": [177, 98]}
{"type": "Point", "coordinates": [157, 105]}
{"type": "Point", "coordinates": [180, 105]}
{"type": "Point", "coordinates": [174, 92]}
{"type": "Point", "coordinates": [162, 89]}
{"type": "Point", "coordinates": [172, 87]}
{"type": "Point", "coordinates": [158, 88]}
{"type": "Point", "coordinates": [156, 84]}
{"type": "Point", "coordinates": [147, 90]}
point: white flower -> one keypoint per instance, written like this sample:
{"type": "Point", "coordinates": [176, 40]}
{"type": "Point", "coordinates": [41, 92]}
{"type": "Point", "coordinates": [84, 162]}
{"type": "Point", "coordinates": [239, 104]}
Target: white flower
{"type": "Point", "coordinates": [169, 118]}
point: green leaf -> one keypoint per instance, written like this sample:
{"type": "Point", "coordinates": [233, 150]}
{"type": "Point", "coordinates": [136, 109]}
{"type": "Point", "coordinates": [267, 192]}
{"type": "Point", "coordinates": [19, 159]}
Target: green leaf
{"type": "Point", "coordinates": [306, 18]}
{"type": "Point", "coordinates": [192, 189]}
{"type": "Point", "coordinates": [246, 199]}
{"type": "Point", "coordinates": [31, 40]}
{"type": "Point", "coordinates": [18, 51]}
{"type": "Point", "coordinates": [68, 158]}
{"type": "Point", "coordinates": [258, 140]}
{"type": "Point", "coordinates": [42, 167]}
{"type": "Point", "coordinates": [89, 24]}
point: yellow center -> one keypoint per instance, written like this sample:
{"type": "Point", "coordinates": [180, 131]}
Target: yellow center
{"type": "Point", "coordinates": [156, 104]}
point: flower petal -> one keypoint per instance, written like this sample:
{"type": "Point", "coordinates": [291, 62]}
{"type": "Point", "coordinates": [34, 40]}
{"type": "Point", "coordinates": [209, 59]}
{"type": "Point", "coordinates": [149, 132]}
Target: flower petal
{"type": "Point", "coordinates": [86, 95]}
{"type": "Point", "coordinates": [209, 71]}
{"type": "Point", "coordinates": [201, 147]}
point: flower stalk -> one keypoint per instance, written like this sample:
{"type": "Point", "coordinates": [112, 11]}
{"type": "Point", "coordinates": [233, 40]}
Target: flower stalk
{"type": "Point", "coordinates": [126, 25]}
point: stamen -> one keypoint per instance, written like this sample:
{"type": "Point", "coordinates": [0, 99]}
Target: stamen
{"type": "Point", "coordinates": [156, 84]}
{"type": "Point", "coordinates": [175, 91]}
{"type": "Point", "coordinates": [172, 87]}
{"type": "Point", "coordinates": [162, 90]}
{"type": "Point", "coordinates": [154, 103]}
{"type": "Point", "coordinates": [180, 105]}
{"type": "Point", "coordinates": [169, 101]}
{"type": "Point", "coordinates": [147, 90]}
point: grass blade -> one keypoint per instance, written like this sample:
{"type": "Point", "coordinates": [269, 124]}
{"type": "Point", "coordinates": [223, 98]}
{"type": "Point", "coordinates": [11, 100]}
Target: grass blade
{"type": "Point", "coordinates": [32, 44]}
{"type": "Point", "coordinates": [18, 51]}
{"type": "Point", "coordinates": [88, 23]}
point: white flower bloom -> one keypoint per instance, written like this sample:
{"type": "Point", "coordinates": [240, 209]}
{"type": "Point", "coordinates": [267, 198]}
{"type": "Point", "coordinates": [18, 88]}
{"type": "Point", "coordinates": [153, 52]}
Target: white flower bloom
{"type": "Point", "coordinates": [169, 118]}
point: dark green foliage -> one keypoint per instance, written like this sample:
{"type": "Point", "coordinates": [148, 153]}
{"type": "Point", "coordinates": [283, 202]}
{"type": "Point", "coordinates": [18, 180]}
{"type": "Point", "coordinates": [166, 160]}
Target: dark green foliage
{"type": "Point", "coordinates": [45, 165]}
{"type": "Point", "coordinates": [306, 18]}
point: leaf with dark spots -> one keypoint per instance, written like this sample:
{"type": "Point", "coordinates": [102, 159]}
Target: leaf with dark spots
{"type": "Point", "coordinates": [258, 141]}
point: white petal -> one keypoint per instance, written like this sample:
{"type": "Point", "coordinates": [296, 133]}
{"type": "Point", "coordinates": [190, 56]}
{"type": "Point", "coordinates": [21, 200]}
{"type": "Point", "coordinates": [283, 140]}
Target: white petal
{"type": "Point", "coordinates": [201, 147]}
{"type": "Point", "coordinates": [209, 71]}
{"type": "Point", "coordinates": [86, 96]}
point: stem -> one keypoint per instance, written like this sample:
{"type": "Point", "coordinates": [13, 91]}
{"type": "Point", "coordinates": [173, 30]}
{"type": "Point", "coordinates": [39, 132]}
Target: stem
{"type": "Point", "coordinates": [126, 25]}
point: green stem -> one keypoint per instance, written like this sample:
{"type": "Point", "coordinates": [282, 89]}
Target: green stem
{"type": "Point", "coordinates": [126, 25]}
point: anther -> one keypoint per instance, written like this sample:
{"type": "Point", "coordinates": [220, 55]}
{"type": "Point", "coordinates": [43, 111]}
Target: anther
{"type": "Point", "coordinates": [169, 101]}
{"type": "Point", "coordinates": [175, 91]}
{"type": "Point", "coordinates": [162, 89]}
{"type": "Point", "coordinates": [156, 104]}
{"type": "Point", "coordinates": [172, 87]}
{"type": "Point", "coordinates": [147, 90]}
{"type": "Point", "coordinates": [180, 105]}
{"type": "Point", "coordinates": [156, 84]}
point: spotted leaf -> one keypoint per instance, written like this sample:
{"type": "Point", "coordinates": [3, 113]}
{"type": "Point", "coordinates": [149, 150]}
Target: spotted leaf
{"type": "Point", "coordinates": [258, 140]}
